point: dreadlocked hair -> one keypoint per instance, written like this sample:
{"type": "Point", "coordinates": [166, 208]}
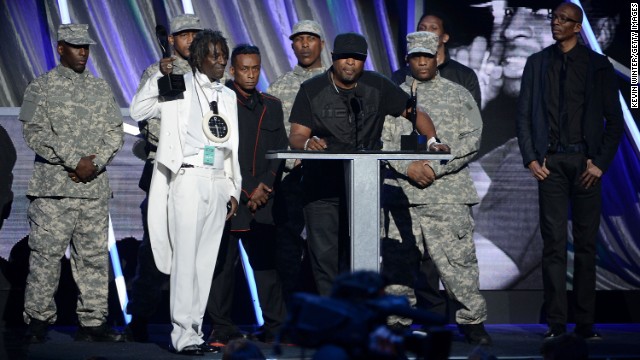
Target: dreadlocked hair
{"type": "Point", "coordinates": [199, 48]}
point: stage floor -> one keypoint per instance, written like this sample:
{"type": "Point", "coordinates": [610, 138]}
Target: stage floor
{"type": "Point", "coordinates": [620, 341]}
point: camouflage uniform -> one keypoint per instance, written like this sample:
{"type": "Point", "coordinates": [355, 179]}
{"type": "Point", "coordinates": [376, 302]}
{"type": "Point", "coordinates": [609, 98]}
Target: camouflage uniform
{"type": "Point", "coordinates": [66, 116]}
{"type": "Point", "coordinates": [288, 203]}
{"type": "Point", "coordinates": [438, 216]}
{"type": "Point", "coordinates": [287, 85]}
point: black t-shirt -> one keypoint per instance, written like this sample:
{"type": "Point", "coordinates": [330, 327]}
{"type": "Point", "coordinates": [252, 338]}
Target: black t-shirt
{"type": "Point", "coordinates": [348, 120]}
{"type": "Point", "coordinates": [330, 111]}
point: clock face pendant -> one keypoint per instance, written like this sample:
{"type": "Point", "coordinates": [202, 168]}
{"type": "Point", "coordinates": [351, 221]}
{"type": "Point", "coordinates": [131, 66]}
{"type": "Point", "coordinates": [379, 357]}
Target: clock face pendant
{"type": "Point", "coordinates": [216, 128]}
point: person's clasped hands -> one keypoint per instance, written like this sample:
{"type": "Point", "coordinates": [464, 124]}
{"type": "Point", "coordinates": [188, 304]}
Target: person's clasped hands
{"type": "Point", "coordinates": [259, 197]}
{"type": "Point", "coordinates": [85, 171]}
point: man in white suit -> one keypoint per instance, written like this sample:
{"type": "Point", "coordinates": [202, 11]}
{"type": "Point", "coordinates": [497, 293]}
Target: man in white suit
{"type": "Point", "coordinates": [196, 181]}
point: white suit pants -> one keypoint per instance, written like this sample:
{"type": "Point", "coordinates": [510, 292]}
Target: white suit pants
{"type": "Point", "coordinates": [196, 215]}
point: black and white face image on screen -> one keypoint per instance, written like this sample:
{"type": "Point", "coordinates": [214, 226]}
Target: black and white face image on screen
{"type": "Point", "coordinates": [507, 233]}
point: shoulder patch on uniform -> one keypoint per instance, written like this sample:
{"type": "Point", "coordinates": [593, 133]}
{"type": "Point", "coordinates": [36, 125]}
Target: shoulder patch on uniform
{"type": "Point", "coordinates": [29, 106]}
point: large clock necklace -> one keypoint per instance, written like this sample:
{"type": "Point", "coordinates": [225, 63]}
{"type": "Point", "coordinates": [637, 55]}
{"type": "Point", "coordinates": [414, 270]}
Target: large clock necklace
{"type": "Point", "coordinates": [215, 126]}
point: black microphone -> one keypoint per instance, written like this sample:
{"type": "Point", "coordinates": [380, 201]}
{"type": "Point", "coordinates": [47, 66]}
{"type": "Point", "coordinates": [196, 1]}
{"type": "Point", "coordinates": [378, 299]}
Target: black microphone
{"type": "Point", "coordinates": [163, 40]}
{"type": "Point", "coordinates": [413, 115]}
{"type": "Point", "coordinates": [413, 141]}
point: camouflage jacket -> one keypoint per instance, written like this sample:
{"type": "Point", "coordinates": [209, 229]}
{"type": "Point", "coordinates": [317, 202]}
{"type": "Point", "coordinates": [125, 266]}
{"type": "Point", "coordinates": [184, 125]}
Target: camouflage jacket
{"type": "Point", "coordinates": [66, 116]}
{"type": "Point", "coordinates": [286, 88]}
{"type": "Point", "coordinates": [458, 123]}
{"type": "Point", "coordinates": [150, 128]}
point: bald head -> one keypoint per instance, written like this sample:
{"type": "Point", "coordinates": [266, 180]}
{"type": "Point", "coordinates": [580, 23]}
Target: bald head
{"type": "Point", "coordinates": [575, 10]}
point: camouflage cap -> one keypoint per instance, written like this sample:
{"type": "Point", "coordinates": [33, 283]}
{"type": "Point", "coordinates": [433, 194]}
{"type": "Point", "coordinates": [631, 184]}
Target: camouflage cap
{"type": "Point", "coordinates": [308, 27]}
{"type": "Point", "coordinates": [185, 22]}
{"type": "Point", "coordinates": [422, 42]}
{"type": "Point", "coordinates": [75, 34]}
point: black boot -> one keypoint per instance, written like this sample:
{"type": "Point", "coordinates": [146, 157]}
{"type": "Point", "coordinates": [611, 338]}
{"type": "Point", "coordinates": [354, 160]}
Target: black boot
{"type": "Point", "coordinates": [36, 332]}
{"type": "Point", "coordinates": [137, 330]}
{"type": "Point", "coordinates": [221, 336]}
{"type": "Point", "coordinates": [102, 333]}
{"type": "Point", "coordinates": [475, 334]}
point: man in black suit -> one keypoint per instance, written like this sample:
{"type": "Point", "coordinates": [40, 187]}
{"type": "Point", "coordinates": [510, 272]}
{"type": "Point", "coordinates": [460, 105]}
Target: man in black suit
{"type": "Point", "coordinates": [566, 93]}
{"type": "Point", "coordinates": [261, 128]}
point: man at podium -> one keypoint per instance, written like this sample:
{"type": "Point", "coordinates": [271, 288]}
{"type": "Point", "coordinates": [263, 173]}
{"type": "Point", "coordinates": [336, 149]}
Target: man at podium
{"type": "Point", "coordinates": [341, 110]}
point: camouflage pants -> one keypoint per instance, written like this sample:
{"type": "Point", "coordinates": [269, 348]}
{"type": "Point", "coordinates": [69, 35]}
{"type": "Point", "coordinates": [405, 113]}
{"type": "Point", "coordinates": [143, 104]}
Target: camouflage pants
{"type": "Point", "coordinates": [56, 223]}
{"type": "Point", "coordinates": [401, 255]}
{"type": "Point", "coordinates": [447, 233]}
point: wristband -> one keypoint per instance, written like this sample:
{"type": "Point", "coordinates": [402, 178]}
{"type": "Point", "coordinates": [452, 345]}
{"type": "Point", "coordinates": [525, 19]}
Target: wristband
{"type": "Point", "coordinates": [431, 141]}
{"type": "Point", "coordinates": [306, 144]}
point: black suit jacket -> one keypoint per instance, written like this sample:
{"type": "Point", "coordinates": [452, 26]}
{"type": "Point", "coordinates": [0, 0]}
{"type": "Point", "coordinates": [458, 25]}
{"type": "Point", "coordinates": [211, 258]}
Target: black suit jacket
{"type": "Point", "coordinates": [261, 126]}
{"type": "Point", "coordinates": [601, 102]}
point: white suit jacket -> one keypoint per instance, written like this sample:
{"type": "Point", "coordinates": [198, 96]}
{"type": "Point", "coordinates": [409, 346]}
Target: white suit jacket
{"type": "Point", "coordinates": [173, 129]}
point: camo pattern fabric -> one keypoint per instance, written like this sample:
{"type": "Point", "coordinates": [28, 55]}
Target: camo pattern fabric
{"type": "Point", "coordinates": [286, 88]}
{"type": "Point", "coordinates": [55, 223]}
{"type": "Point", "coordinates": [66, 116]}
{"type": "Point", "coordinates": [458, 124]}
{"type": "Point", "coordinates": [287, 85]}
{"type": "Point", "coordinates": [402, 247]}
{"type": "Point", "coordinates": [436, 218]}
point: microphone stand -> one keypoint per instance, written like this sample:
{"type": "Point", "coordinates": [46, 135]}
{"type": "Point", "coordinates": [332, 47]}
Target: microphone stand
{"type": "Point", "coordinates": [414, 141]}
{"type": "Point", "coordinates": [356, 111]}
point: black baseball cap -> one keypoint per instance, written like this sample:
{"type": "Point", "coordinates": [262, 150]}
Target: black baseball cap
{"type": "Point", "coordinates": [349, 45]}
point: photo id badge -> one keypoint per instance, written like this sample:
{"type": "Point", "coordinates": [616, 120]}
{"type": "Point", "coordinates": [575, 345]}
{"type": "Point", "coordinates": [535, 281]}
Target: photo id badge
{"type": "Point", "coordinates": [209, 155]}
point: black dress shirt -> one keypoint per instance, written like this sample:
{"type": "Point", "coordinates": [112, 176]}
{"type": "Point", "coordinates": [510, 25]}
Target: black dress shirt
{"type": "Point", "coordinates": [565, 111]}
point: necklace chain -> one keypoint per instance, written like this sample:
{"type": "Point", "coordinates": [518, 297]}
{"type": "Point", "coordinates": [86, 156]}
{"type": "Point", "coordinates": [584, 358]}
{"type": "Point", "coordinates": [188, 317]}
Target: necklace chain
{"type": "Point", "coordinates": [336, 87]}
{"type": "Point", "coordinates": [334, 84]}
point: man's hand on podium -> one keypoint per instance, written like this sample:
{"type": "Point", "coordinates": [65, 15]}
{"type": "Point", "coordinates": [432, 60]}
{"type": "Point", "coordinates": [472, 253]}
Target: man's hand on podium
{"type": "Point", "coordinates": [439, 147]}
{"type": "Point", "coordinates": [314, 143]}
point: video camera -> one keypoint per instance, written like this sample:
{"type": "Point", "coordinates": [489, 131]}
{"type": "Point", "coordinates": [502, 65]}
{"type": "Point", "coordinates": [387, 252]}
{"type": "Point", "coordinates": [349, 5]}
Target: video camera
{"type": "Point", "coordinates": [356, 310]}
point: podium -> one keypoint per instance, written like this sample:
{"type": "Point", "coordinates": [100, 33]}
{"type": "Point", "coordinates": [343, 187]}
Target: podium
{"type": "Point", "coordinates": [363, 172]}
